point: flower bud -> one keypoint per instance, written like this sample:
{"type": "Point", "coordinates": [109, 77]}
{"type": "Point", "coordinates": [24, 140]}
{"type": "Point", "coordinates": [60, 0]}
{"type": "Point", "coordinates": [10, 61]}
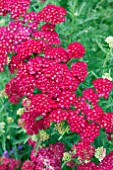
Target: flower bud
{"type": "Point", "coordinates": [109, 40]}
{"type": "Point", "coordinates": [66, 157]}
{"type": "Point", "coordinates": [2, 22]}
{"type": "Point", "coordinates": [10, 120]}
{"type": "Point", "coordinates": [20, 111]}
{"type": "Point", "coordinates": [2, 125]}
{"type": "Point", "coordinates": [107, 75]}
{"type": "Point", "coordinates": [43, 135]}
{"type": "Point", "coordinates": [100, 153]}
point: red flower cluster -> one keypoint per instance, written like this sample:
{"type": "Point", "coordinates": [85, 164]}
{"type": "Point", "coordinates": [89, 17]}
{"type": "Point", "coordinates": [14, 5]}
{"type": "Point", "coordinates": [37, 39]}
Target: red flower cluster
{"type": "Point", "coordinates": [103, 87]}
{"type": "Point", "coordinates": [46, 158]}
{"type": "Point", "coordinates": [42, 64]}
{"type": "Point", "coordinates": [84, 151]}
{"type": "Point", "coordinates": [9, 163]}
{"type": "Point", "coordinates": [53, 14]}
{"type": "Point", "coordinates": [106, 163]}
{"type": "Point", "coordinates": [89, 166]}
{"type": "Point", "coordinates": [17, 8]}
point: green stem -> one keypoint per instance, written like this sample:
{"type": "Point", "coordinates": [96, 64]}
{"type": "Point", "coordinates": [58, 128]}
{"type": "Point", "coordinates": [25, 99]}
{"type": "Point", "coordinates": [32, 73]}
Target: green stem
{"type": "Point", "coordinates": [106, 60]}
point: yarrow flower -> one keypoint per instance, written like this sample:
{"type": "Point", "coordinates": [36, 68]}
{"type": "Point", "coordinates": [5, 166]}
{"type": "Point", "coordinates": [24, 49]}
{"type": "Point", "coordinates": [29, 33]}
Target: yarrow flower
{"type": "Point", "coordinates": [9, 163]}
{"type": "Point", "coordinates": [53, 14]}
{"type": "Point", "coordinates": [109, 40]}
{"type": "Point", "coordinates": [100, 153]}
{"type": "Point", "coordinates": [16, 7]}
{"type": "Point", "coordinates": [47, 158]}
{"type": "Point", "coordinates": [47, 87]}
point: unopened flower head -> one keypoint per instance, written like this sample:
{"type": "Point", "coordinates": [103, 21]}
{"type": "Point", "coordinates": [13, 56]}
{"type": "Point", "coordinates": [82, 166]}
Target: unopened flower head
{"type": "Point", "coordinates": [100, 153]}
{"type": "Point", "coordinates": [107, 75]}
{"type": "Point", "coordinates": [66, 157]}
{"type": "Point", "coordinates": [20, 111]}
{"type": "Point", "coordinates": [10, 120]}
{"type": "Point", "coordinates": [34, 137]}
{"type": "Point", "coordinates": [76, 14]}
{"type": "Point", "coordinates": [60, 127]}
{"type": "Point", "coordinates": [43, 135]}
{"type": "Point", "coordinates": [3, 94]}
{"type": "Point", "coordinates": [109, 40]}
{"type": "Point", "coordinates": [8, 60]}
{"type": "Point", "coordinates": [2, 22]}
{"type": "Point", "coordinates": [2, 125]}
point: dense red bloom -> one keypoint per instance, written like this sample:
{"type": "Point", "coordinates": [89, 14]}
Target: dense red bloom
{"type": "Point", "coordinates": [81, 106]}
{"type": "Point", "coordinates": [3, 167]}
{"type": "Point", "coordinates": [19, 87]}
{"type": "Point", "coordinates": [90, 132]}
{"type": "Point", "coordinates": [51, 37]}
{"type": "Point", "coordinates": [48, 27]}
{"type": "Point", "coordinates": [24, 52]}
{"type": "Point", "coordinates": [31, 20]}
{"type": "Point", "coordinates": [48, 158]}
{"type": "Point", "coordinates": [3, 58]}
{"type": "Point", "coordinates": [12, 35]}
{"type": "Point", "coordinates": [88, 166]}
{"type": "Point", "coordinates": [58, 115]}
{"type": "Point", "coordinates": [103, 87]}
{"type": "Point", "coordinates": [29, 47]}
{"type": "Point", "coordinates": [107, 162]}
{"type": "Point", "coordinates": [76, 123]}
{"type": "Point", "coordinates": [53, 14]}
{"type": "Point", "coordinates": [107, 122]}
{"type": "Point", "coordinates": [90, 95]}
{"type": "Point", "coordinates": [95, 114]}
{"type": "Point", "coordinates": [17, 8]}
{"type": "Point", "coordinates": [76, 50]}
{"type": "Point", "coordinates": [28, 165]}
{"type": "Point", "coordinates": [30, 124]}
{"type": "Point", "coordinates": [3, 7]}
{"type": "Point", "coordinates": [79, 70]}
{"type": "Point", "coordinates": [9, 163]}
{"type": "Point", "coordinates": [65, 99]}
{"type": "Point", "coordinates": [42, 104]}
{"type": "Point", "coordinates": [31, 16]}
{"type": "Point", "coordinates": [58, 54]}
{"type": "Point", "coordinates": [84, 151]}
{"type": "Point", "coordinates": [11, 90]}
{"type": "Point", "coordinates": [56, 78]}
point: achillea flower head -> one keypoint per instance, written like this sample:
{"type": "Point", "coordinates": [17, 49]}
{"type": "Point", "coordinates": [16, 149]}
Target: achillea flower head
{"type": "Point", "coordinates": [43, 135]}
{"type": "Point", "coordinates": [10, 163]}
{"type": "Point", "coordinates": [17, 8]}
{"type": "Point", "coordinates": [109, 40]}
{"type": "Point", "coordinates": [20, 111]}
{"type": "Point", "coordinates": [75, 50]}
{"type": "Point", "coordinates": [62, 128]}
{"type": "Point", "coordinates": [52, 14]}
{"type": "Point", "coordinates": [49, 158]}
{"type": "Point", "coordinates": [84, 151]}
{"type": "Point", "coordinates": [107, 162]}
{"type": "Point", "coordinates": [88, 166]}
{"type": "Point", "coordinates": [100, 153]}
{"type": "Point", "coordinates": [66, 157]}
{"type": "Point", "coordinates": [10, 120]}
{"type": "Point", "coordinates": [103, 87]}
{"type": "Point", "coordinates": [2, 125]}
{"type": "Point", "coordinates": [107, 75]}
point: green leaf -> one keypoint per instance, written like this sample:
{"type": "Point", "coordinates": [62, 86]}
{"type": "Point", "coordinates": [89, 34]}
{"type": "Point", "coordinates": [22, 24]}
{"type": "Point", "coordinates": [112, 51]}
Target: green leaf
{"type": "Point", "coordinates": [37, 91]}
{"type": "Point", "coordinates": [101, 140]}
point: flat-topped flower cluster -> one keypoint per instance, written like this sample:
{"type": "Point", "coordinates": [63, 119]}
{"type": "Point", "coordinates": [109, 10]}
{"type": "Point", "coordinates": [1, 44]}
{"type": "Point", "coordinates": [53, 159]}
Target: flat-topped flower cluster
{"type": "Point", "coordinates": [40, 63]}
